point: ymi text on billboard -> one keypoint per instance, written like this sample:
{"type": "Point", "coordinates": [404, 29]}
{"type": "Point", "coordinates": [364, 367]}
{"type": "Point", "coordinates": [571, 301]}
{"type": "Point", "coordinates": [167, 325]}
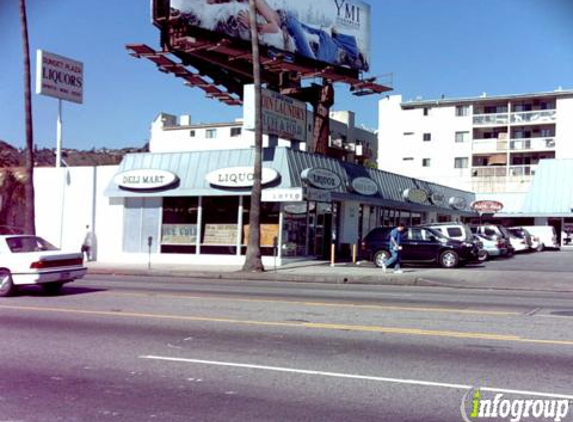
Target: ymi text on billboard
{"type": "Point", "coordinates": [331, 31]}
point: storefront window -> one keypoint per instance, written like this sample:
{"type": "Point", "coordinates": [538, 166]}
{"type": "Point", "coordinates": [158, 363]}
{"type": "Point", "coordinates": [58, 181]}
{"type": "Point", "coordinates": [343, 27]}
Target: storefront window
{"type": "Point", "coordinates": [179, 225]}
{"type": "Point", "coordinates": [294, 229]}
{"type": "Point", "coordinates": [270, 212]}
{"type": "Point", "coordinates": [219, 225]}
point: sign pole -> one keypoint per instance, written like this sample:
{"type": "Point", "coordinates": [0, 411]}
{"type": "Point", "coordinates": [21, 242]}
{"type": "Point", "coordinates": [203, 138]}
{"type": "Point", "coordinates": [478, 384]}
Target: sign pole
{"type": "Point", "coordinates": [59, 135]}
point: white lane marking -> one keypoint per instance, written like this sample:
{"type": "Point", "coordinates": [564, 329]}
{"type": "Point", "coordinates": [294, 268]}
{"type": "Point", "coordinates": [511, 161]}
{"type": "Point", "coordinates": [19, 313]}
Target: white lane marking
{"type": "Point", "coordinates": [358, 377]}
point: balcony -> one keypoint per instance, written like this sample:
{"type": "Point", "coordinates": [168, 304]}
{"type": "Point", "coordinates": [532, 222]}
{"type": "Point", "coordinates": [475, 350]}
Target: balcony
{"type": "Point", "coordinates": [483, 146]}
{"type": "Point", "coordinates": [534, 117]}
{"type": "Point", "coordinates": [503, 171]}
{"type": "Point", "coordinates": [491, 119]}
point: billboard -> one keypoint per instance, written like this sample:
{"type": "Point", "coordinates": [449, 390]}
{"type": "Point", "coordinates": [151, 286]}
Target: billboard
{"type": "Point", "coordinates": [59, 77]}
{"type": "Point", "coordinates": [281, 115]}
{"type": "Point", "coordinates": [331, 31]}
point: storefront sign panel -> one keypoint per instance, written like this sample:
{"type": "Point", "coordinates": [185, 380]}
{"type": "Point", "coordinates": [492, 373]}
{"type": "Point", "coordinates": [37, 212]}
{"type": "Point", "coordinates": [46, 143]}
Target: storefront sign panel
{"type": "Point", "coordinates": [240, 177]}
{"type": "Point", "coordinates": [318, 195]}
{"type": "Point", "coordinates": [458, 203]}
{"type": "Point", "coordinates": [364, 186]}
{"type": "Point", "coordinates": [321, 178]}
{"type": "Point", "coordinates": [145, 179]}
{"type": "Point", "coordinates": [178, 234]}
{"type": "Point", "coordinates": [220, 234]}
{"type": "Point", "coordinates": [282, 116]}
{"type": "Point", "coordinates": [59, 77]}
{"type": "Point", "coordinates": [282, 195]}
{"type": "Point", "coordinates": [487, 206]}
{"type": "Point", "coordinates": [417, 196]}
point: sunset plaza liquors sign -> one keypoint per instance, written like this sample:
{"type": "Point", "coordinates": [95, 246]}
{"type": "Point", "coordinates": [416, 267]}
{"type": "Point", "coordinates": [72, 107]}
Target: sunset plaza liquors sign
{"type": "Point", "coordinates": [59, 77]}
{"type": "Point", "coordinates": [282, 116]}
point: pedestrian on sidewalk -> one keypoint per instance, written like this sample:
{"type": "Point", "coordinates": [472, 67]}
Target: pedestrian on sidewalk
{"type": "Point", "coordinates": [88, 244]}
{"type": "Point", "coordinates": [395, 240]}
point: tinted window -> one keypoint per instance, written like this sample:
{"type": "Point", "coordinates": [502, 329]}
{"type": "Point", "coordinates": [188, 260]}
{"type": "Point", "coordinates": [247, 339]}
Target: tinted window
{"type": "Point", "coordinates": [20, 244]}
{"type": "Point", "coordinates": [455, 232]}
{"type": "Point", "coordinates": [377, 234]}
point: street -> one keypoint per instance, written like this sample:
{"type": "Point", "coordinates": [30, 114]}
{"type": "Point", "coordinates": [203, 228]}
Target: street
{"type": "Point", "coordinates": [170, 349]}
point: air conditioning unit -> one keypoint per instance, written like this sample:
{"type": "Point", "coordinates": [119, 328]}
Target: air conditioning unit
{"type": "Point", "coordinates": [359, 151]}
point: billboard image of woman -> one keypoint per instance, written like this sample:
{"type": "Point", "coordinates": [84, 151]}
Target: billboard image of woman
{"type": "Point", "coordinates": [331, 31]}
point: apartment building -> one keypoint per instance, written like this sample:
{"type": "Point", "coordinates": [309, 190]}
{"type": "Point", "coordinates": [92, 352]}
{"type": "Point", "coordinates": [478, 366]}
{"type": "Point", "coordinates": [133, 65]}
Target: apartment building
{"type": "Point", "coordinates": [483, 144]}
{"type": "Point", "coordinates": [347, 142]}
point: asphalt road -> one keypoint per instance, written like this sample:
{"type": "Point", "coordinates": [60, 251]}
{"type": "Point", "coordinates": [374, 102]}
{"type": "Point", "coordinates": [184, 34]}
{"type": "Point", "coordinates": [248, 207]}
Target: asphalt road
{"type": "Point", "coordinates": [139, 349]}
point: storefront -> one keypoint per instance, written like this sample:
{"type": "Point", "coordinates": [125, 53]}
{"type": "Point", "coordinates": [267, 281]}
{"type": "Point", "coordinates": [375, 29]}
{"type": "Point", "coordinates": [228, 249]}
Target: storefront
{"type": "Point", "coordinates": [197, 204]}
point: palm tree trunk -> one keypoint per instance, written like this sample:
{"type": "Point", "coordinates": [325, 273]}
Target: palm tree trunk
{"type": "Point", "coordinates": [30, 215]}
{"type": "Point", "coordinates": [253, 260]}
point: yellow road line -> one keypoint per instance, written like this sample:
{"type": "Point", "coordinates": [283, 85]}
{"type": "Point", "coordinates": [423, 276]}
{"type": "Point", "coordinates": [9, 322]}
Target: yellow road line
{"type": "Point", "coordinates": [309, 325]}
{"type": "Point", "coordinates": [323, 304]}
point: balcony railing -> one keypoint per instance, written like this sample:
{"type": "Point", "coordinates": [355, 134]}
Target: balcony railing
{"type": "Point", "coordinates": [538, 116]}
{"type": "Point", "coordinates": [503, 171]}
{"type": "Point", "coordinates": [532, 144]}
{"type": "Point", "coordinates": [492, 119]}
{"type": "Point", "coordinates": [522, 144]}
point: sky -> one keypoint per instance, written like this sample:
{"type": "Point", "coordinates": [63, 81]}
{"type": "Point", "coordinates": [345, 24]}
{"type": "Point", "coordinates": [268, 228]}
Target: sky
{"type": "Point", "coordinates": [454, 48]}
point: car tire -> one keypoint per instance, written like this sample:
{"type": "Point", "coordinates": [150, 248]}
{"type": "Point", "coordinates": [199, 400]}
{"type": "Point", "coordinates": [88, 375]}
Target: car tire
{"type": "Point", "coordinates": [540, 247]}
{"type": "Point", "coordinates": [7, 287]}
{"type": "Point", "coordinates": [449, 259]}
{"type": "Point", "coordinates": [483, 256]}
{"type": "Point", "coordinates": [380, 257]}
{"type": "Point", "coordinates": [52, 288]}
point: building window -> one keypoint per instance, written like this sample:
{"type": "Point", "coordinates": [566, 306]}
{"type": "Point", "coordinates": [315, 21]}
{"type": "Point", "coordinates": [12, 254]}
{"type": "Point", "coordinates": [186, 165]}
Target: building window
{"type": "Point", "coordinates": [461, 162]}
{"type": "Point", "coordinates": [462, 137]}
{"type": "Point", "coordinates": [192, 133]}
{"type": "Point", "coordinates": [211, 133]}
{"type": "Point", "coordinates": [235, 131]}
{"type": "Point", "coordinates": [427, 137]}
{"type": "Point", "coordinates": [426, 111]}
{"type": "Point", "coordinates": [462, 110]}
{"type": "Point", "coordinates": [426, 162]}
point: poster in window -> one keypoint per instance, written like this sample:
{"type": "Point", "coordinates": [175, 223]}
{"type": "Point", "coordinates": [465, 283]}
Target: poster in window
{"type": "Point", "coordinates": [178, 234]}
{"type": "Point", "coordinates": [268, 234]}
{"type": "Point", "coordinates": [220, 234]}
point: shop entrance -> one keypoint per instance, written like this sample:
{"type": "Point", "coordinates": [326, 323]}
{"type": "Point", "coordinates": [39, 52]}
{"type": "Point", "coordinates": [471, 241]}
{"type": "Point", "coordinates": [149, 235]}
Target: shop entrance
{"type": "Point", "coordinates": [320, 228]}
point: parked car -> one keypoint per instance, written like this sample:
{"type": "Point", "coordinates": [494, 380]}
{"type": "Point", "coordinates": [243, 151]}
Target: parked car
{"type": "Point", "coordinates": [521, 240]}
{"type": "Point", "coordinates": [419, 245]}
{"type": "Point", "coordinates": [493, 247]}
{"type": "Point", "coordinates": [494, 232]}
{"type": "Point", "coordinates": [546, 235]}
{"type": "Point", "coordinates": [28, 260]}
{"type": "Point", "coordinates": [461, 232]}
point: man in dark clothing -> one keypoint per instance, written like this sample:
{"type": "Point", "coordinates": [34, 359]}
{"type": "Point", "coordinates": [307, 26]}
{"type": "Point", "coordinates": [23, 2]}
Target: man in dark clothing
{"type": "Point", "coordinates": [395, 240]}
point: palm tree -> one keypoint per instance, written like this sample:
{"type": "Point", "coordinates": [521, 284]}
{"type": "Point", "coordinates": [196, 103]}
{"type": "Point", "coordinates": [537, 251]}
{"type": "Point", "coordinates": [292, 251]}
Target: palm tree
{"type": "Point", "coordinates": [253, 260]}
{"type": "Point", "coordinates": [30, 215]}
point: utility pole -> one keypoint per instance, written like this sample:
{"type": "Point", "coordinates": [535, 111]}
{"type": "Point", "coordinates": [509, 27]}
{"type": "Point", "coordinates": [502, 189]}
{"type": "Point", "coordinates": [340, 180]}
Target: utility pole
{"type": "Point", "coordinates": [253, 261]}
{"type": "Point", "coordinates": [29, 214]}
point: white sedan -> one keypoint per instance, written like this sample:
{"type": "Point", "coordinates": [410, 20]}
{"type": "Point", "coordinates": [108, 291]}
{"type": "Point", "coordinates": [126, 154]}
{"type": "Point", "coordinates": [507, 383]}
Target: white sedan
{"type": "Point", "coordinates": [26, 260]}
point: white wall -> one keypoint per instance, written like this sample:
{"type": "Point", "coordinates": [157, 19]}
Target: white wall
{"type": "Point", "coordinates": [349, 213]}
{"type": "Point", "coordinates": [70, 198]}
{"type": "Point", "coordinates": [564, 128]}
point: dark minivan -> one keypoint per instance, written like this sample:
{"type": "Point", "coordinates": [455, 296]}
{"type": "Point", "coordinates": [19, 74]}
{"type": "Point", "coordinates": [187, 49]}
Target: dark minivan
{"type": "Point", "coordinates": [419, 245]}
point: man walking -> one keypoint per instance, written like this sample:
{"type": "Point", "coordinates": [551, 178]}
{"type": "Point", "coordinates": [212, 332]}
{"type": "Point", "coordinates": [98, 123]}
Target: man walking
{"type": "Point", "coordinates": [395, 240]}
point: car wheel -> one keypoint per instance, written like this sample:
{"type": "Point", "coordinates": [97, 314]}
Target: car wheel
{"type": "Point", "coordinates": [52, 288]}
{"type": "Point", "coordinates": [380, 257]}
{"type": "Point", "coordinates": [540, 247]}
{"type": "Point", "coordinates": [7, 287]}
{"type": "Point", "coordinates": [449, 259]}
{"type": "Point", "coordinates": [483, 255]}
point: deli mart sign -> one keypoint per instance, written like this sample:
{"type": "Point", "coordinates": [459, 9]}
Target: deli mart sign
{"type": "Point", "coordinates": [487, 206]}
{"type": "Point", "coordinates": [59, 77]}
{"type": "Point", "coordinates": [240, 177]}
{"type": "Point", "coordinates": [145, 179]}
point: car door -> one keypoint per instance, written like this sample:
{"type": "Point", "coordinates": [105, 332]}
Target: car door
{"type": "Point", "coordinates": [415, 247]}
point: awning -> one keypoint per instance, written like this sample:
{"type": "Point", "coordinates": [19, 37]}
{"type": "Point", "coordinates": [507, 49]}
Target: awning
{"type": "Point", "coordinates": [497, 159]}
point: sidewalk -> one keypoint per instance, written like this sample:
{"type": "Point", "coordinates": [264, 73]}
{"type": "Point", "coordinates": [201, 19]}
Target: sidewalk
{"type": "Point", "coordinates": [470, 277]}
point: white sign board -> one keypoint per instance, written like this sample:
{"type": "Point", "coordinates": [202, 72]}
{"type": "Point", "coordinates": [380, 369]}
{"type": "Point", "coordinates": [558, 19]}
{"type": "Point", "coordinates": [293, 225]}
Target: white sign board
{"type": "Point", "coordinates": [59, 77]}
{"type": "Point", "coordinates": [321, 178]}
{"type": "Point", "coordinates": [240, 177]}
{"type": "Point", "coordinates": [364, 186]}
{"type": "Point", "coordinates": [282, 195]}
{"type": "Point", "coordinates": [143, 179]}
{"type": "Point", "coordinates": [281, 115]}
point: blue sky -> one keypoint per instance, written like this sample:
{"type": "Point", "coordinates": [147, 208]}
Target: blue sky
{"type": "Point", "coordinates": [455, 48]}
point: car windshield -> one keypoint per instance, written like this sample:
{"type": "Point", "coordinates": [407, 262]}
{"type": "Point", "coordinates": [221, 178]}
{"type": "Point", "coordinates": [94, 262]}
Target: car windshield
{"type": "Point", "coordinates": [20, 244]}
{"type": "Point", "coordinates": [503, 231]}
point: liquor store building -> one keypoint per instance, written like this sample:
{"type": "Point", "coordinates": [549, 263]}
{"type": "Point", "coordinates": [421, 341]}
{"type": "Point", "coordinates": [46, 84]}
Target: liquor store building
{"type": "Point", "coordinates": [193, 207]}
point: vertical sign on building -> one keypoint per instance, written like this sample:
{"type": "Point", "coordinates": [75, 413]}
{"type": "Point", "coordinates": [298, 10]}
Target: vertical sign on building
{"type": "Point", "coordinates": [61, 78]}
